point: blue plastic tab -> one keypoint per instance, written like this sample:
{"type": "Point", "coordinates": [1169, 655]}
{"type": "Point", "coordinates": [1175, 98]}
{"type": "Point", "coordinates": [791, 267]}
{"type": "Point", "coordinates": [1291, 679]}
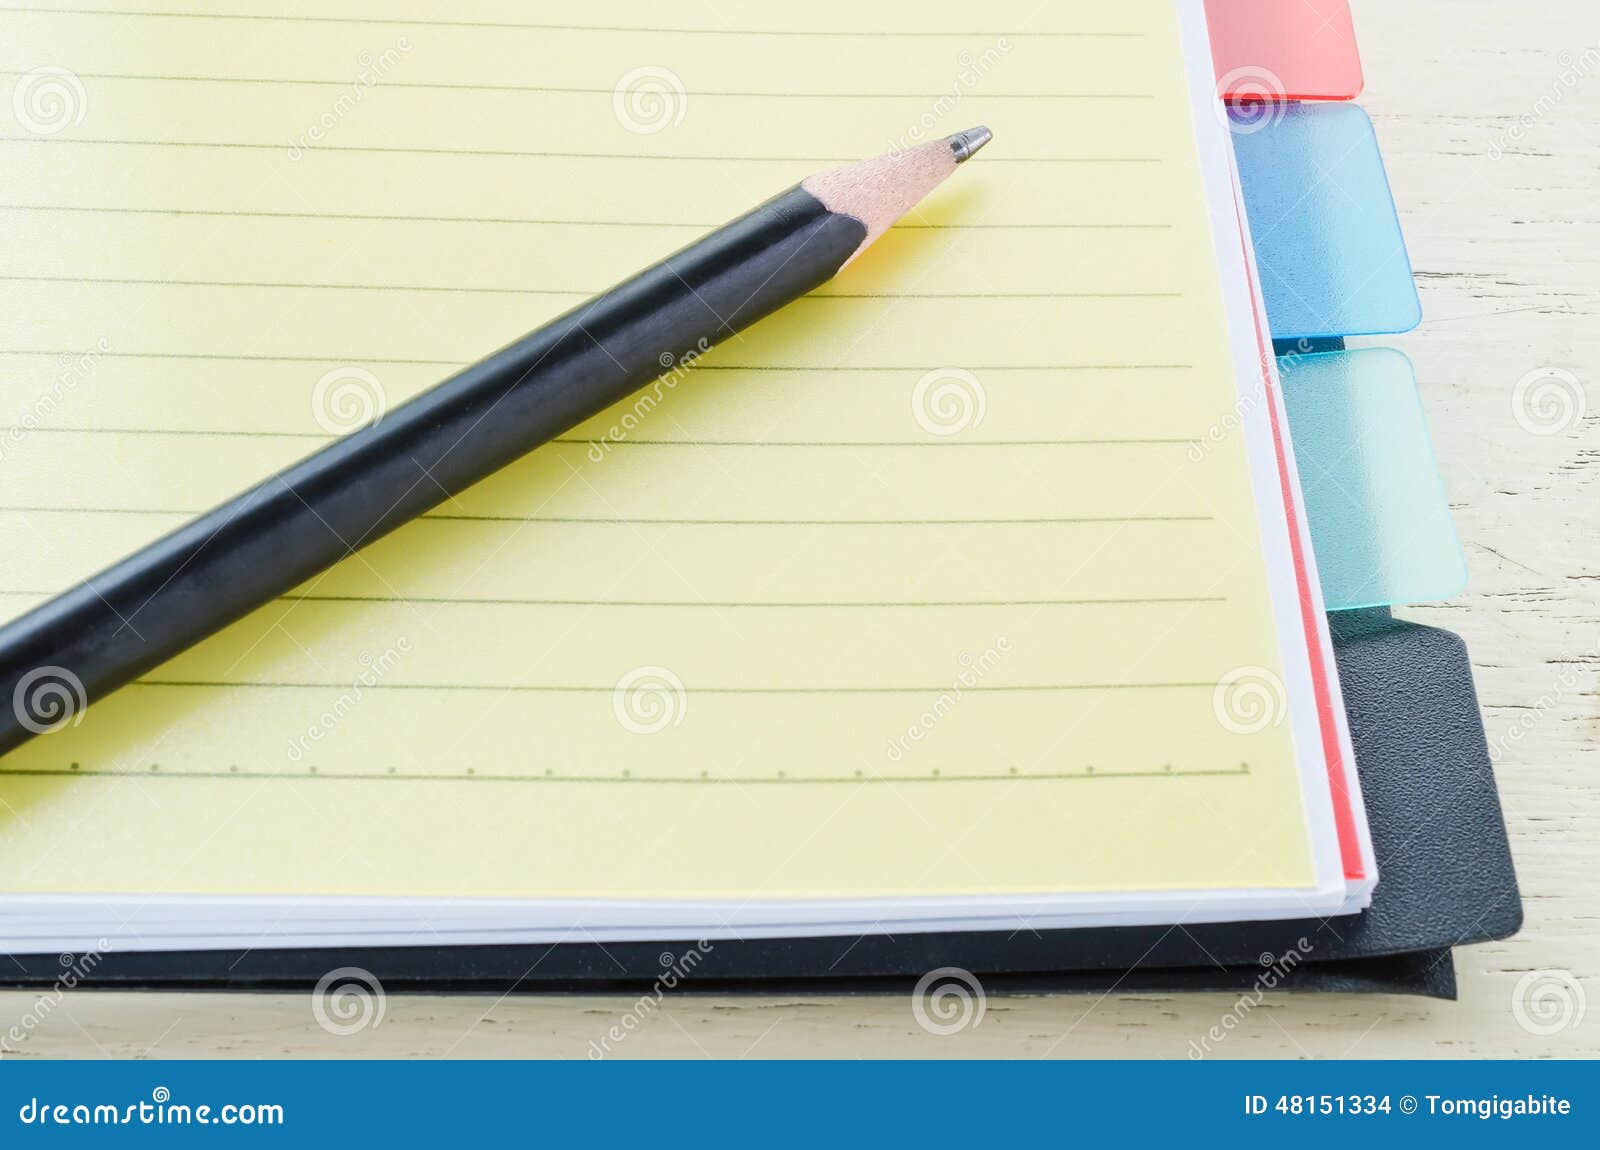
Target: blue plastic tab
{"type": "Point", "coordinates": [1328, 243]}
{"type": "Point", "coordinates": [1380, 522]}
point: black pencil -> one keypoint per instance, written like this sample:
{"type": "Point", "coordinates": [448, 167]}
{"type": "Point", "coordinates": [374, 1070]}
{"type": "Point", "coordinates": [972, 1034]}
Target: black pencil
{"type": "Point", "coordinates": [115, 626]}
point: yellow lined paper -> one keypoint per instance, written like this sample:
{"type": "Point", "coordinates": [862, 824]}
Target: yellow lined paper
{"type": "Point", "coordinates": [917, 587]}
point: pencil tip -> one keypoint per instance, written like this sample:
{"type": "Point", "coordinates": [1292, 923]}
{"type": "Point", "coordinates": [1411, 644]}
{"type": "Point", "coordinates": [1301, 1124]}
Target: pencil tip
{"type": "Point", "coordinates": [967, 144]}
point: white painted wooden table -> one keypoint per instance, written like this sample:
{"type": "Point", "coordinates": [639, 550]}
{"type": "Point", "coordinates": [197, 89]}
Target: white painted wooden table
{"type": "Point", "coordinates": [1489, 116]}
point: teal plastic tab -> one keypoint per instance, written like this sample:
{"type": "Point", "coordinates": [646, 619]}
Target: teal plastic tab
{"type": "Point", "coordinates": [1327, 241]}
{"type": "Point", "coordinates": [1380, 523]}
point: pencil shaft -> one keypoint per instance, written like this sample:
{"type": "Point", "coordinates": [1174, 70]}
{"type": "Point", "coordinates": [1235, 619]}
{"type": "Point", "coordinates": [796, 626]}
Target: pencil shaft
{"type": "Point", "coordinates": [133, 616]}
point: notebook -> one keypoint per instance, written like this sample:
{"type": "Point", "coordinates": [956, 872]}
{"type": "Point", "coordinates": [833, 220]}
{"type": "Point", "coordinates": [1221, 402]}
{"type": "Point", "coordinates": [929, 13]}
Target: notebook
{"type": "Point", "coordinates": [972, 592]}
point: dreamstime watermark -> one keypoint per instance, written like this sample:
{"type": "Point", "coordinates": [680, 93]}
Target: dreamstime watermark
{"type": "Point", "coordinates": [374, 668]}
{"type": "Point", "coordinates": [157, 1110]}
{"type": "Point", "coordinates": [1568, 684]}
{"type": "Point", "coordinates": [1549, 401]}
{"type": "Point", "coordinates": [348, 1000]}
{"type": "Point", "coordinates": [676, 369]}
{"type": "Point", "coordinates": [648, 700]}
{"type": "Point", "coordinates": [649, 99]}
{"type": "Point", "coordinates": [1248, 700]}
{"type": "Point", "coordinates": [971, 71]}
{"type": "Point", "coordinates": [1547, 1002]}
{"type": "Point", "coordinates": [948, 1000]}
{"type": "Point", "coordinates": [974, 669]}
{"type": "Point", "coordinates": [76, 369]}
{"type": "Point", "coordinates": [948, 401]}
{"type": "Point", "coordinates": [74, 969]}
{"type": "Point", "coordinates": [49, 99]}
{"type": "Point", "coordinates": [676, 968]}
{"type": "Point", "coordinates": [347, 399]}
{"type": "Point", "coordinates": [48, 698]}
{"type": "Point", "coordinates": [1229, 422]}
{"type": "Point", "coordinates": [1254, 99]}
{"type": "Point", "coordinates": [373, 71]}
{"type": "Point", "coordinates": [1574, 71]}
{"type": "Point", "coordinates": [1243, 407]}
{"type": "Point", "coordinates": [1275, 969]}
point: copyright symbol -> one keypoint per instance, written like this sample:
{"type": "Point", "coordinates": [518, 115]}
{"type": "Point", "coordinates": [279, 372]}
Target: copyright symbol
{"type": "Point", "coordinates": [1408, 1105]}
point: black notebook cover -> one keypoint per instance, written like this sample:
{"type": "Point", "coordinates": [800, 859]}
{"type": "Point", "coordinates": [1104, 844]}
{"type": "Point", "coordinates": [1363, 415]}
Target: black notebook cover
{"type": "Point", "coordinates": [1445, 870]}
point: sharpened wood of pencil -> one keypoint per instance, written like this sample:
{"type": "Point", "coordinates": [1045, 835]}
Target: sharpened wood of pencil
{"type": "Point", "coordinates": [133, 616]}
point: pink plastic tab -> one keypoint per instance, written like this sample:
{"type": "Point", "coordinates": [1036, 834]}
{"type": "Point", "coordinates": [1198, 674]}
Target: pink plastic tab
{"type": "Point", "coordinates": [1274, 50]}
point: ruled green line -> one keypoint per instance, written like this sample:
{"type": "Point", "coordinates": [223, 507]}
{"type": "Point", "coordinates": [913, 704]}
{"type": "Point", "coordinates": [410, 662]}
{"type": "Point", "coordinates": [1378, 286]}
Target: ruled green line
{"type": "Point", "coordinates": [904, 225]}
{"type": "Point", "coordinates": [576, 293]}
{"type": "Point", "coordinates": [768, 780]}
{"type": "Point", "coordinates": [459, 363]}
{"type": "Point", "coordinates": [755, 606]}
{"type": "Point", "coordinates": [278, 81]}
{"type": "Point", "coordinates": [812, 33]}
{"type": "Point", "coordinates": [459, 518]}
{"type": "Point", "coordinates": [572, 689]}
{"type": "Point", "coordinates": [662, 157]}
{"type": "Point", "coordinates": [224, 433]}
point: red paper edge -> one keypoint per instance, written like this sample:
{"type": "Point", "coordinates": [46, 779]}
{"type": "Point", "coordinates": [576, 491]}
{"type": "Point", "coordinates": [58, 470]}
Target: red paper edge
{"type": "Point", "coordinates": [1338, 770]}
